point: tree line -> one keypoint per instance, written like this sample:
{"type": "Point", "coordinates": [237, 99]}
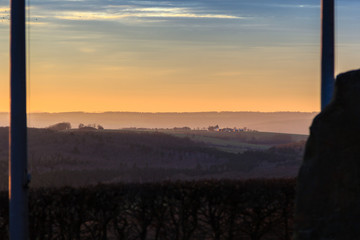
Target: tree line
{"type": "Point", "coordinates": [224, 209]}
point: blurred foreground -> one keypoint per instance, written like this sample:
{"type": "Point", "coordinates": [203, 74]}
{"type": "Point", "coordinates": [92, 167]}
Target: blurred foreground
{"type": "Point", "coordinates": [251, 209]}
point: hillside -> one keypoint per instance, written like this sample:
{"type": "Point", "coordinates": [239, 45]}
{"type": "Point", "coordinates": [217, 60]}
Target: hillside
{"type": "Point", "coordinates": [240, 141]}
{"type": "Point", "coordinates": [80, 157]}
{"type": "Point", "coordinates": [280, 122]}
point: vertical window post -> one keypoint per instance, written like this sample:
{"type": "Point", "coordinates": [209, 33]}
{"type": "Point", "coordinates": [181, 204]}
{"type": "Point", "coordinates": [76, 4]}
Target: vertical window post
{"type": "Point", "coordinates": [18, 176]}
{"type": "Point", "coordinates": [327, 51]}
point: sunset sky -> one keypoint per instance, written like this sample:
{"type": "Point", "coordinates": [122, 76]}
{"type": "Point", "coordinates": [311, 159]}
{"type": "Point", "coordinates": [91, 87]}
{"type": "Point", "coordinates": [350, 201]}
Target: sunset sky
{"type": "Point", "coordinates": [177, 55]}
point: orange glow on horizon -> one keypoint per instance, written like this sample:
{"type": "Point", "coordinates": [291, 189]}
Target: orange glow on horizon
{"type": "Point", "coordinates": [217, 62]}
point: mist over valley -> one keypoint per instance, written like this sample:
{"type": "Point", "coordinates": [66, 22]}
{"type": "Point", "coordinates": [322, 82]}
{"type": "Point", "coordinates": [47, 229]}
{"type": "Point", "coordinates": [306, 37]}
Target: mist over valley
{"type": "Point", "coordinates": [280, 122]}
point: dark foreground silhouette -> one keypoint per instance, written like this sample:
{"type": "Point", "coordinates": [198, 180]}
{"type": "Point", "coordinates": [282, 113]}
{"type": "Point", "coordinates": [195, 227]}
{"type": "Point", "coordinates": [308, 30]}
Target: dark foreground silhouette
{"type": "Point", "coordinates": [225, 209]}
{"type": "Point", "coordinates": [328, 193]}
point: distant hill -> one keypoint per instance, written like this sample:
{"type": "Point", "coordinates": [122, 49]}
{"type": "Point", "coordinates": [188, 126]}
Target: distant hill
{"type": "Point", "coordinates": [280, 122]}
{"type": "Point", "coordinates": [83, 157]}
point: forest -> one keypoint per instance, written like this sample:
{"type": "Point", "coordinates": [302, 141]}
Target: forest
{"type": "Point", "coordinates": [96, 184]}
{"type": "Point", "coordinates": [259, 209]}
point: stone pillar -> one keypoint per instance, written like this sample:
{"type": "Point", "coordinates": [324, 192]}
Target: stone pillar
{"type": "Point", "coordinates": [328, 184]}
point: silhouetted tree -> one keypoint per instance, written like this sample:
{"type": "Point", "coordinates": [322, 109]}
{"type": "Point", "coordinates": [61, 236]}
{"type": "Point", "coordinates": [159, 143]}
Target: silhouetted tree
{"type": "Point", "coordinates": [60, 126]}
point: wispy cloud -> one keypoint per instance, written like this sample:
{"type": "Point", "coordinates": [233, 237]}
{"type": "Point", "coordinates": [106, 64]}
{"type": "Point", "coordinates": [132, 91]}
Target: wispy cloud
{"type": "Point", "coordinates": [294, 5]}
{"type": "Point", "coordinates": [4, 12]}
{"type": "Point", "coordinates": [129, 10]}
{"type": "Point", "coordinates": [136, 12]}
{"type": "Point", "coordinates": [4, 15]}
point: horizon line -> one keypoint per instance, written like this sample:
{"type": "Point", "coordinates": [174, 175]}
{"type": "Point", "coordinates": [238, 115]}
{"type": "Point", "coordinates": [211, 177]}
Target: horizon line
{"type": "Point", "coordinates": [180, 112]}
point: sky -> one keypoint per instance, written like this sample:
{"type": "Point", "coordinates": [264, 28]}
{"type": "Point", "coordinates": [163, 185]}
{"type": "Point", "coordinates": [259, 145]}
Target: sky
{"type": "Point", "coordinates": [177, 55]}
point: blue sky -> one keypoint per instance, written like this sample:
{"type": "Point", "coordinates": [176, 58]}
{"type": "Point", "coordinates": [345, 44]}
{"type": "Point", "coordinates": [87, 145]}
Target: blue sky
{"type": "Point", "coordinates": [178, 55]}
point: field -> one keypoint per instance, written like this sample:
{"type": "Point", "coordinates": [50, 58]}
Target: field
{"type": "Point", "coordinates": [238, 142]}
{"type": "Point", "coordinates": [88, 157]}
{"type": "Point", "coordinates": [158, 184]}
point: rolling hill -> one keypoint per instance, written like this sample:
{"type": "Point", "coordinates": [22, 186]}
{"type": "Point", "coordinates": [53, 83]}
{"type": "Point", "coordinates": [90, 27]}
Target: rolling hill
{"type": "Point", "coordinates": [83, 157]}
{"type": "Point", "coordinates": [279, 122]}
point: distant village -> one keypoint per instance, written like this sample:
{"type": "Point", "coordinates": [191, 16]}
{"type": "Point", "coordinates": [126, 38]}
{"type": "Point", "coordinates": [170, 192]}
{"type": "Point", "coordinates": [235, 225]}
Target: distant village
{"type": "Point", "coordinates": [66, 126]}
{"type": "Point", "coordinates": [218, 129]}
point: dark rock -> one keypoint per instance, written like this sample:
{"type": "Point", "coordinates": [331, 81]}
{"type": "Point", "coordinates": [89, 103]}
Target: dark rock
{"type": "Point", "coordinates": [328, 187]}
